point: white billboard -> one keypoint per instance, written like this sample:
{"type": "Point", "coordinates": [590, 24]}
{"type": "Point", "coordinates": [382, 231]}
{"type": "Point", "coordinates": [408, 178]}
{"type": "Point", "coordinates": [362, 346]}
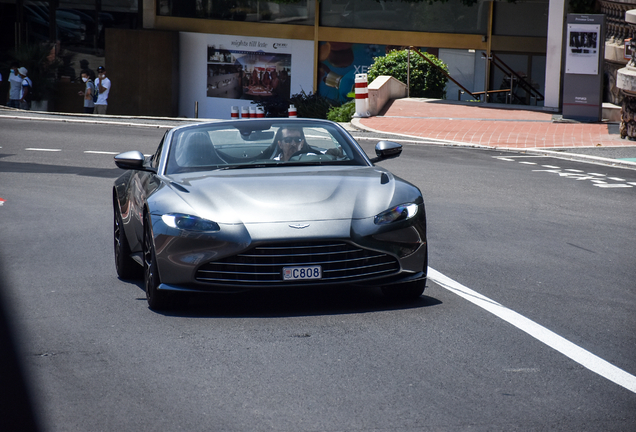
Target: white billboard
{"type": "Point", "coordinates": [222, 71]}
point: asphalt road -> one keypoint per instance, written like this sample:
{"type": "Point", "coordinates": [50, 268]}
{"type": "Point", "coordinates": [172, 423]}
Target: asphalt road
{"type": "Point", "coordinates": [528, 325]}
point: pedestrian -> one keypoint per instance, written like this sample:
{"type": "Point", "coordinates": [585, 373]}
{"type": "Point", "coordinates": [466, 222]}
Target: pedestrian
{"type": "Point", "coordinates": [89, 91]}
{"type": "Point", "coordinates": [26, 96]}
{"type": "Point", "coordinates": [102, 86]}
{"type": "Point", "coordinates": [15, 86]}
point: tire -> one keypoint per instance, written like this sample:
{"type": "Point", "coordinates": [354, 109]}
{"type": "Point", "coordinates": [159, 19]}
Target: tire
{"type": "Point", "coordinates": [157, 300]}
{"type": "Point", "coordinates": [126, 267]}
{"type": "Point", "coordinates": [405, 291]}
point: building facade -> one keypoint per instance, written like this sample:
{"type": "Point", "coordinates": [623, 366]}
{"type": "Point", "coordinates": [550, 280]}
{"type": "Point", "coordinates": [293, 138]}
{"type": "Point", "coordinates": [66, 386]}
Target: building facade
{"type": "Point", "coordinates": [215, 54]}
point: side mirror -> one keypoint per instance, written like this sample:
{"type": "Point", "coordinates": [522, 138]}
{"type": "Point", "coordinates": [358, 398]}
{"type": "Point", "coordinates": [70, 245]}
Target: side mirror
{"type": "Point", "coordinates": [386, 150]}
{"type": "Point", "coordinates": [130, 160]}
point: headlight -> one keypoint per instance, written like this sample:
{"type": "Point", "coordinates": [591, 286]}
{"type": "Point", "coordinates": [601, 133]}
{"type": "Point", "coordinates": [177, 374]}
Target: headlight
{"type": "Point", "coordinates": [189, 222]}
{"type": "Point", "coordinates": [397, 213]}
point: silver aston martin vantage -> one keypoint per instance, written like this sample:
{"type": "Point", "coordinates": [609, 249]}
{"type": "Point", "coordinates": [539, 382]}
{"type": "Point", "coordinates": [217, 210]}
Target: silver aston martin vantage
{"type": "Point", "coordinates": [239, 205]}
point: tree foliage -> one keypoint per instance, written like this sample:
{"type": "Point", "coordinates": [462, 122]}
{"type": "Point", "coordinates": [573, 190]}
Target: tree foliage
{"type": "Point", "coordinates": [425, 80]}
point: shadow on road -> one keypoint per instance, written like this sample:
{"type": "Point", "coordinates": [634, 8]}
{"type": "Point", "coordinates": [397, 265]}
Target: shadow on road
{"type": "Point", "coordinates": [290, 302]}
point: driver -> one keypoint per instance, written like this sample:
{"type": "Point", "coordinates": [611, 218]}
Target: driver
{"type": "Point", "coordinates": [291, 140]}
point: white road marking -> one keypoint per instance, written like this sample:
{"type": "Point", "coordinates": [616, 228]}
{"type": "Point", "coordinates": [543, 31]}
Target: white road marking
{"type": "Point", "coordinates": [44, 150]}
{"type": "Point", "coordinates": [548, 337]}
{"type": "Point", "coordinates": [506, 159]}
{"type": "Point", "coordinates": [574, 170]}
{"type": "Point", "coordinates": [597, 174]}
{"type": "Point", "coordinates": [551, 166]}
{"type": "Point", "coordinates": [100, 152]}
{"type": "Point", "coordinates": [528, 163]}
{"type": "Point", "coordinates": [619, 185]}
{"type": "Point", "coordinates": [616, 179]}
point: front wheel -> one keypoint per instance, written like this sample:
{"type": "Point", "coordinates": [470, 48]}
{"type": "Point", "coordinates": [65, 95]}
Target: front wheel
{"type": "Point", "coordinates": [405, 291]}
{"type": "Point", "coordinates": [126, 267]}
{"type": "Point", "coordinates": [157, 300]}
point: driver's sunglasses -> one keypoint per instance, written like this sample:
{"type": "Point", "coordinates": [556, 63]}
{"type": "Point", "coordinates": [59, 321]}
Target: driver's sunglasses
{"type": "Point", "coordinates": [289, 140]}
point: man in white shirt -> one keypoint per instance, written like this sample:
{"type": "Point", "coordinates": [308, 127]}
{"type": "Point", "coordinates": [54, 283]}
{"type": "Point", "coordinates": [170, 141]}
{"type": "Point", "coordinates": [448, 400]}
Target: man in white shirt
{"type": "Point", "coordinates": [102, 85]}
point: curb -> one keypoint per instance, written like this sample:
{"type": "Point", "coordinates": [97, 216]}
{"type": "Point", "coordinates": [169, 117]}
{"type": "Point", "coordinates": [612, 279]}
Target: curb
{"type": "Point", "coordinates": [355, 122]}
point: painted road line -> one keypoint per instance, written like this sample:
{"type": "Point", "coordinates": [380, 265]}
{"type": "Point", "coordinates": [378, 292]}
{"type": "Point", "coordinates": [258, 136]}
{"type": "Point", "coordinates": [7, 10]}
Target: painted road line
{"type": "Point", "coordinates": [43, 149]}
{"type": "Point", "coordinates": [100, 152]}
{"type": "Point", "coordinates": [548, 337]}
{"type": "Point", "coordinates": [620, 185]}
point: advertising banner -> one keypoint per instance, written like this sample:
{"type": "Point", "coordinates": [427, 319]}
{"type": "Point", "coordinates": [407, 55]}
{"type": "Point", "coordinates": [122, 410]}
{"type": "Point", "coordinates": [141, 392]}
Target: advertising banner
{"type": "Point", "coordinates": [241, 74]}
{"type": "Point", "coordinates": [218, 72]}
{"type": "Point", "coordinates": [338, 64]}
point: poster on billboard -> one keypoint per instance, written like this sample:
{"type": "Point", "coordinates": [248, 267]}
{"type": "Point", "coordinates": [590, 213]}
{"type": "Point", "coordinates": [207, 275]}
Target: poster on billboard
{"type": "Point", "coordinates": [338, 64]}
{"type": "Point", "coordinates": [582, 49]}
{"type": "Point", "coordinates": [219, 72]}
{"type": "Point", "coordinates": [241, 74]}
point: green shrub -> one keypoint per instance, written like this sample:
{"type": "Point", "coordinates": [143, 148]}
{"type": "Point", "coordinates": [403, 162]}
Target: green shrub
{"type": "Point", "coordinates": [343, 113]}
{"type": "Point", "coordinates": [426, 81]}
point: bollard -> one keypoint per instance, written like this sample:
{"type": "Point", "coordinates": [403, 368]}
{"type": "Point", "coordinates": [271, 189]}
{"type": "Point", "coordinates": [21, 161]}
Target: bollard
{"type": "Point", "coordinates": [196, 109]}
{"type": "Point", "coordinates": [362, 96]}
{"type": "Point", "coordinates": [252, 112]}
{"type": "Point", "coordinates": [260, 113]}
{"type": "Point", "coordinates": [234, 113]}
{"type": "Point", "coordinates": [245, 112]}
{"type": "Point", "coordinates": [292, 112]}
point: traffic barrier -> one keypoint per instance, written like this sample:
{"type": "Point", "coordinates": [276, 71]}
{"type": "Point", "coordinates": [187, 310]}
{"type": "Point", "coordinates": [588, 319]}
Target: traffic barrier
{"type": "Point", "coordinates": [252, 112]}
{"type": "Point", "coordinates": [234, 113]}
{"type": "Point", "coordinates": [362, 96]}
{"type": "Point", "coordinates": [260, 113]}
{"type": "Point", "coordinates": [245, 112]}
{"type": "Point", "coordinates": [292, 112]}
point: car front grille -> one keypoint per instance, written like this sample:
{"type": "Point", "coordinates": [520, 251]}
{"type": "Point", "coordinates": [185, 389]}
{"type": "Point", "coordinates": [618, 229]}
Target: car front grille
{"type": "Point", "coordinates": [262, 265]}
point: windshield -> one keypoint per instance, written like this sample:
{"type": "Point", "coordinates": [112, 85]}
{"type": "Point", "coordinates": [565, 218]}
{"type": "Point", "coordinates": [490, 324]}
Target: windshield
{"type": "Point", "coordinates": [246, 144]}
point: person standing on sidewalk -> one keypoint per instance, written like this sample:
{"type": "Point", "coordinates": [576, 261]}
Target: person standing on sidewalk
{"type": "Point", "coordinates": [27, 89]}
{"type": "Point", "coordinates": [102, 85]}
{"type": "Point", "coordinates": [15, 86]}
{"type": "Point", "coordinates": [89, 91]}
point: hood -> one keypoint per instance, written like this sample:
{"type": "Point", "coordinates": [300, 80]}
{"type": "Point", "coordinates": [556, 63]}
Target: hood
{"type": "Point", "coordinates": [290, 194]}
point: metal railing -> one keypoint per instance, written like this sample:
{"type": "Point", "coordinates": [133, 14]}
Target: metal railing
{"type": "Point", "coordinates": [516, 82]}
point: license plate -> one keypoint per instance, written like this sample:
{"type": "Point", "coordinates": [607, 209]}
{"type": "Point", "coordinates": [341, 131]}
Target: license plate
{"type": "Point", "coordinates": [302, 273]}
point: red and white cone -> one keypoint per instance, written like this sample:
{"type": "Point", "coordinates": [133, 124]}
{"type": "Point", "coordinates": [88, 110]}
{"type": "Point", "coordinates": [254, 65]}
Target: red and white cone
{"type": "Point", "coordinates": [260, 113]}
{"type": "Point", "coordinates": [234, 113]}
{"type": "Point", "coordinates": [245, 112]}
{"type": "Point", "coordinates": [292, 112]}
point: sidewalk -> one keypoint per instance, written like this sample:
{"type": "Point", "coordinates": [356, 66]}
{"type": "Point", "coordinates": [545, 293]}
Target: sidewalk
{"type": "Point", "coordinates": [490, 125]}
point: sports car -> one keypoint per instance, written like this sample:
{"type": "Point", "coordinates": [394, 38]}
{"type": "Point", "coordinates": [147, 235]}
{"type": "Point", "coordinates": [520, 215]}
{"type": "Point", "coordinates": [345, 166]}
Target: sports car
{"type": "Point", "coordinates": [231, 206]}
